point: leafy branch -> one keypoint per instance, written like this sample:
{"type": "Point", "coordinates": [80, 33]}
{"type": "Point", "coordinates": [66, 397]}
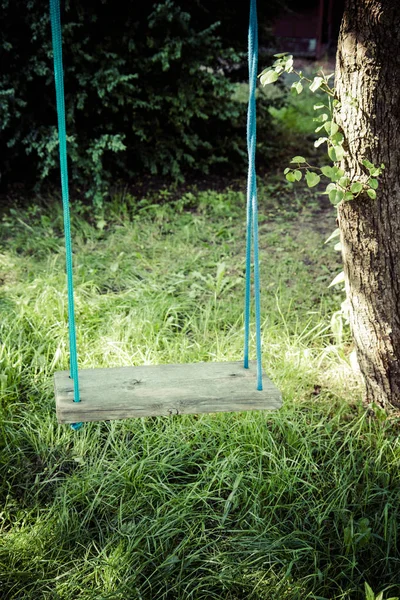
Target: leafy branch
{"type": "Point", "coordinates": [340, 187]}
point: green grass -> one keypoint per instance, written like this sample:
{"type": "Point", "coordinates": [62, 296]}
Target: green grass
{"type": "Point", "coordinates": [298, 504]}
{"type": "Point", "coordinates": [296, 116]}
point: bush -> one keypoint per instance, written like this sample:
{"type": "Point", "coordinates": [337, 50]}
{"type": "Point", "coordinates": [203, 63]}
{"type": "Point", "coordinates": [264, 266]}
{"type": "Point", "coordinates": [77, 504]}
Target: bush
{"type": "Point", "coordinates": [145, 93]}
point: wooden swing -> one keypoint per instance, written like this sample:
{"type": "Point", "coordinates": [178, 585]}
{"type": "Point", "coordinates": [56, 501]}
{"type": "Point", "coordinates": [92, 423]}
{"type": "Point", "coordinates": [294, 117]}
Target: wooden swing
{"type": "Point", "coordinates": [148, 390]}
{"type": "Point", "coordinates": [151, 390]}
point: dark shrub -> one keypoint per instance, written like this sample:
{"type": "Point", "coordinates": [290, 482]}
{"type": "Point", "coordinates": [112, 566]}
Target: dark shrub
{"type": "Point", "coordinates": [145, 93]}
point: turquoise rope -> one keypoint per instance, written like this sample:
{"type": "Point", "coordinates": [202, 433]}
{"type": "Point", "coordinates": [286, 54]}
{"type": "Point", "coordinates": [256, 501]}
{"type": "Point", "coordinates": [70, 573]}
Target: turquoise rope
{"type": "Point", "coordinates": [252, 204]}
{"type": "Point", "coordinates": [59, 83]}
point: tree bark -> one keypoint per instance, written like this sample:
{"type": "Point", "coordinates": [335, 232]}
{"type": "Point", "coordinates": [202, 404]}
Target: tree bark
{"type": "Point", "coordinates": [367, 82]}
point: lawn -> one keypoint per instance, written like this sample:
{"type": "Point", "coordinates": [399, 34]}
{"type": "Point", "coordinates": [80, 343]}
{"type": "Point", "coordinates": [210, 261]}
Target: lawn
{"type": "Point", "coordinates": [296, 504]}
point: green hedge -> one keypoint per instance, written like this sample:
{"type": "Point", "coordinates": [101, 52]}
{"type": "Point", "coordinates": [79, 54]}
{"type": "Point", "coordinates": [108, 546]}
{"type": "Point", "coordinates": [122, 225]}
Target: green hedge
{"type": "Point", "coordinates": [145, 93]}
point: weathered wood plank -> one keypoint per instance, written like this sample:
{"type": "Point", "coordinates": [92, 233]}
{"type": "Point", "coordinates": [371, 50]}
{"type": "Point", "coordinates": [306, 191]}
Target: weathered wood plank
{"type": "Point", "coordinates": [151, 390]}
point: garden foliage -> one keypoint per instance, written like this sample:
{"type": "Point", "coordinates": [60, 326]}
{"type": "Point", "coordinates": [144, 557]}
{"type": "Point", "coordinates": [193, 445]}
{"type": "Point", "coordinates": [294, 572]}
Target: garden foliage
{"type": "Point", "coordinates": [146, 90]}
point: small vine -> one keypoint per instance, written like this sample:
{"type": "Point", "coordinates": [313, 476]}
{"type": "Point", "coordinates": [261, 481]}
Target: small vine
{"type": "Point", "coordinates": [340, 187]}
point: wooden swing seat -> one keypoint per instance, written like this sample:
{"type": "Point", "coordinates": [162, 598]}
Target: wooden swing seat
{"type": "Point", "coordinates": [148, 391]}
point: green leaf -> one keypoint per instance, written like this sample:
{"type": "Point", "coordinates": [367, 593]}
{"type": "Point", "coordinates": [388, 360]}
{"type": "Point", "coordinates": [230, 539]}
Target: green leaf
{"type": "Point", "coordinates": [289, 65]}
{"type": "Point", "coordinates": [298, 175]}
{"type": "Point", "coordinates": [369, 594]}
{"type": "Point", "coordinates": [339, 152]}
{"type": "Point", "coordinates": [375, 172]}
{"type": "Point", "coordinates": [332, 154]}
{"type": "Point", "coordinates": [367, 164]}
{"type": "Point", "coordinates": [356, 187]}
{"type": "Point", "coordinates": [336, 196]}
{"type": "Point", "coordinates": [281, 54]}
{"type": "Point", "coordinates": [312, 179]}
{"type": "Point", "coordinates": [334, 234]}
{"type": "Point", "coordinates": [371, 194]}
{"type": "Point", "coordinates": [319, 128]}
{"type": "Point", "coordinates": [334, 128]}
{"type": "Point", "coordinates": [269, 76]}
{"type": "Point", "coordinates": [290, 177]}
{"type": "Point", "coordinates": [318, 106]}
{"type": "Point", "coordinates": [321, 118]}
{"type": "Point", "coordinates": [327, 171]}
{"type": "Point", "coordinates": [320, 141]}
{"type": "Point", "coordinates": [316, 83]}
{"type": "Point", "coordinates": [330, 187]}
{"type": "Point", "coordinates": [338, 171]}
{"type": "Point", "coordinates": [298, 159]}
{"type": "Point", "coordinates": [336, 153]}
{"type": "Point", "coordinates": [338, 279]}
{"type": "Point", "coordinates": [337, 139]}
{"type": "Point", "coordinates": [332, 195]}
{"type": "Point", "coordinates": [298, 86]}
{"type": "Point", "coordinates": [344, 182]}
{"type": "Point", "coordinates": [373, 183]}
{"type": "Point", "coordinates": [348, 196]}
{"type": "Point", "coordinates": [286, 171]}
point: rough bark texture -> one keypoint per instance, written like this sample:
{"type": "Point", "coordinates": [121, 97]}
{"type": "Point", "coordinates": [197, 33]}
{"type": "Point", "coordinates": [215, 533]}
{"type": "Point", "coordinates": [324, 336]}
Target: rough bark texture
{"type": "Point", "coordinates": [368, 70]}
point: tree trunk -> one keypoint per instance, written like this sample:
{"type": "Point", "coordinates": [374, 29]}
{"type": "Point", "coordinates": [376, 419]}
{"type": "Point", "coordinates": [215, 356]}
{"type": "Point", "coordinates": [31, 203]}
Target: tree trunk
{"type": "Point", "coordinates": [367, 82]}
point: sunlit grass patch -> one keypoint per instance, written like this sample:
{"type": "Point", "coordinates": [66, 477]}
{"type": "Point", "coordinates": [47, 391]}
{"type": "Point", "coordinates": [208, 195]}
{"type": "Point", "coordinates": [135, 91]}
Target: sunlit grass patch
{"type": "Point", "coordinates": [301, 503]}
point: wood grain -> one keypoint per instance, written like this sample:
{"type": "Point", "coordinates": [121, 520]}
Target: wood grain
{"type": "Point", "coordinates": [152, 390]}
